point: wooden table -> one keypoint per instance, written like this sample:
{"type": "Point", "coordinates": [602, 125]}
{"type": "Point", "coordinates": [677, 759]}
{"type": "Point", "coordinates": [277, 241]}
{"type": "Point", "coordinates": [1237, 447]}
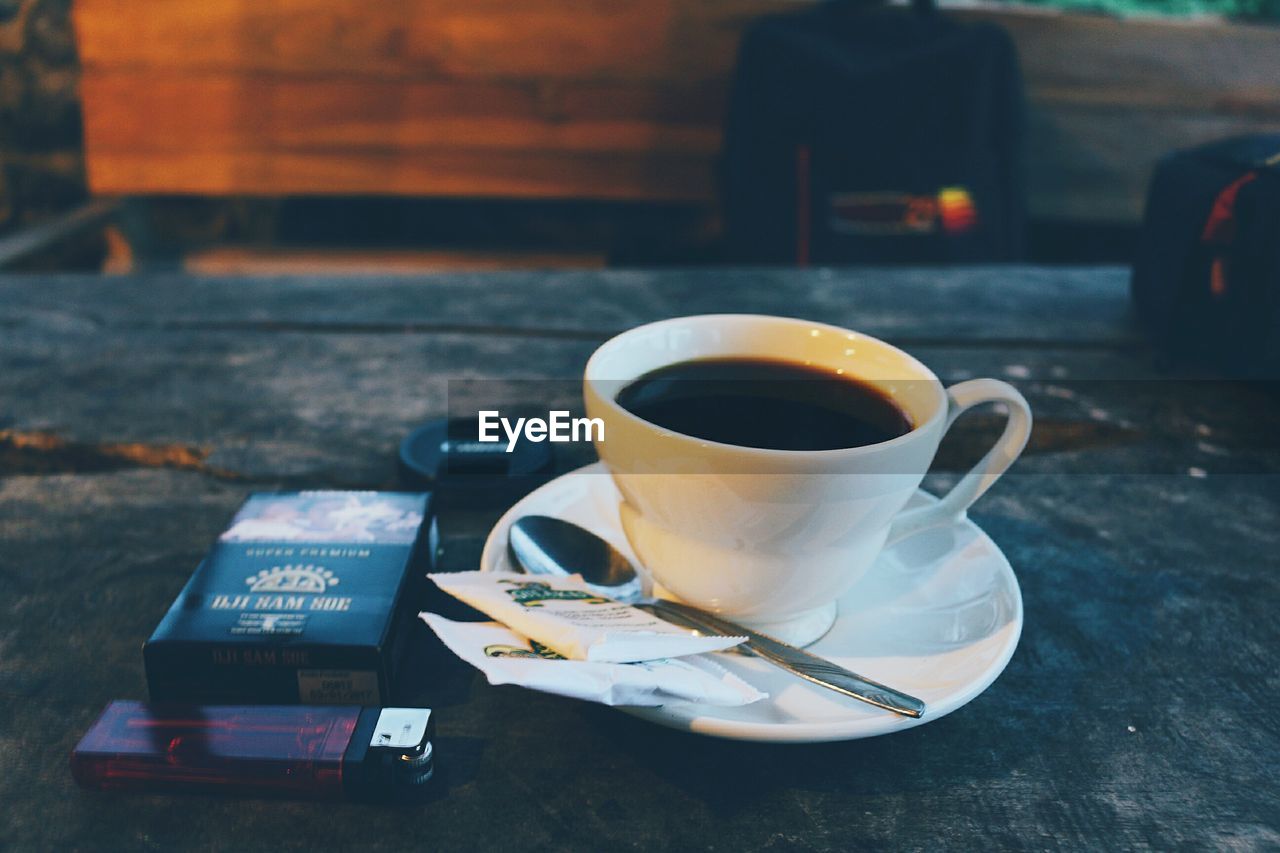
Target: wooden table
{"type": "Point", "coordinates": [1144, 524]}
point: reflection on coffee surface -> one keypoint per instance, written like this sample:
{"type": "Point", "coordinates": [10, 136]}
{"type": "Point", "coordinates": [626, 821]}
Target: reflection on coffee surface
{"type": "Point", "coordinates": [766, 403]}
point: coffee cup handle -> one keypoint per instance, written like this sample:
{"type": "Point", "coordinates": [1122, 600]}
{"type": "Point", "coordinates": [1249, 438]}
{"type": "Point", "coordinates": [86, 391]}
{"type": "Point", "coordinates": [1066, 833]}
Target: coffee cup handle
{"type": "Point", "coordinates": [962, 397]}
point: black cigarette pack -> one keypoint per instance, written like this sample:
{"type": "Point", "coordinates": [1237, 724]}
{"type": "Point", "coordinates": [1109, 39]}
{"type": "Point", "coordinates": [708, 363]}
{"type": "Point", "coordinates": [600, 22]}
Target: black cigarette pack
{"type": "Point", "coordinates": [307, 597]}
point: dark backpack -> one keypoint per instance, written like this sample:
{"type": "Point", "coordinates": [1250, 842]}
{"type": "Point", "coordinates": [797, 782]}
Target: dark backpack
{"type": "Point", "coordinates": [873, 134]}
{"type": "Point", "coordinates": [1206, 280]}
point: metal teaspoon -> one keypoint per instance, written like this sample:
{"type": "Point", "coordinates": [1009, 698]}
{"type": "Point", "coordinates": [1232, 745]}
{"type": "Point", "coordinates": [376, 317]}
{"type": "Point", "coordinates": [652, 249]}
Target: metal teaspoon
{"type": "Point", "coordinates": [543, 545]}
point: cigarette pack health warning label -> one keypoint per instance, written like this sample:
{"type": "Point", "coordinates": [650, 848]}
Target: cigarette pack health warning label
{"type": "Point", "coordinates": [338, 687]}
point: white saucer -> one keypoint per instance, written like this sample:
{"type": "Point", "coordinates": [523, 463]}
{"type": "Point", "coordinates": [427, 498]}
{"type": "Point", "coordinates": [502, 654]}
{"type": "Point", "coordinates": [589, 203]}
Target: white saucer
{"type": "Point", "coordinates": [938, 616]}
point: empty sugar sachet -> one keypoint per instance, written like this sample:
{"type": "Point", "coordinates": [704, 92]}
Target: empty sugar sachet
{"type": "Point", "coordinates": [505, 657]}
{"type": "Point", "coordinates": [564, 615]}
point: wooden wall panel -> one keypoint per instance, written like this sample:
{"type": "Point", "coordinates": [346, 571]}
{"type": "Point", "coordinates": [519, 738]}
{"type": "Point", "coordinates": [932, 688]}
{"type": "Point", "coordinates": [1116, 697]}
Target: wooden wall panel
{"type": "Point", "coordinates": [456, 173]}
{"type": "Point", "coordinates": [557, 39]}
{"type": "Point", "coordinates": [541, 98]}
{"type": "Point", "coordinates": [227, 113]}
{"type": "Point", "coordinates": [618, 99]}
{"type": "Point", "coordinates": [1109, 97]}
{"type": "Point", "coordinates": [1162, 65]}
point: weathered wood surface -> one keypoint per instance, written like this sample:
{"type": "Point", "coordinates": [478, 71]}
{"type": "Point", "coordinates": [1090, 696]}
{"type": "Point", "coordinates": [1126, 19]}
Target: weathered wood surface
{"type": "Point", "coordinates": [1139, 711]}
{"type": "Point", "coordinates": [586, 99]}
{"type": "Point", "coordinates": [971, 304]}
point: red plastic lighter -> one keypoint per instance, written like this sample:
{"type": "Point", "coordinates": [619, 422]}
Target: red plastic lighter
{"type": "Point", "coordinates": [313, 752]}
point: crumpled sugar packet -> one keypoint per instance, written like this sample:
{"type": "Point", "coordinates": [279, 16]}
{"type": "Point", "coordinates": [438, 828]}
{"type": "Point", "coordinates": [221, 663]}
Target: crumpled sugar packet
{"type": "Point", "coordinates": [505, 657]}
{"type": "Point", "coordinates": [562, 614]}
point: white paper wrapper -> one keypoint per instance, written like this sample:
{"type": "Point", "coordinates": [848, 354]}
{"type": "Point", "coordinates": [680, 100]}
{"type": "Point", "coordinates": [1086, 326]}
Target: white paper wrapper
{"type": "Point", "coordinates": [562, 614]}
{"type": "Point", "coordinates": [505, 657]}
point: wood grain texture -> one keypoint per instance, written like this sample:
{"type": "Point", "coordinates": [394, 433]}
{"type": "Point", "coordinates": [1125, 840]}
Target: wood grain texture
{"type": "Point", "coordinates": [1139, 712]}
{"type": "Point", "coordinates": [452, 39]}
{"type": "Point", "coordinates": [607, 99]}
{"type": "Point", "coordinates": [230, 260]}
{"type": "Point", "coordinates": [221, 113]}
{"type": "Point", "coordinates": [215, 135]}
{"type": "Point", "coordinates": [603, 100]}
{"type": "Point", "coordinates": [1081, 307]}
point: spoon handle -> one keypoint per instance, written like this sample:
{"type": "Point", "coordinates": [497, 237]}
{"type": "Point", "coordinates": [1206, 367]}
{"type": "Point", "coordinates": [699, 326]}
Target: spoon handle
{"type": "Point", "coordinates": [808, 666]}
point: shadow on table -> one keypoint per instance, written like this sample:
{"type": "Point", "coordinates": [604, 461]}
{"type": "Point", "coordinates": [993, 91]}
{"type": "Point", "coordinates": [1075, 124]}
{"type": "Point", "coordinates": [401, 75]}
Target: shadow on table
{"type": "Point", "coordinates": [1060, 696]}
{"type": "Point", "coordinates": [729, 776]}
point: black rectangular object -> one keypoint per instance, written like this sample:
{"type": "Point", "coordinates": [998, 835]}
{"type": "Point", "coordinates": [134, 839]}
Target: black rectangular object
{"type": "Point", "coordinates": [859, 133]}
{"type": "Point", "coordinates": [307, 597]}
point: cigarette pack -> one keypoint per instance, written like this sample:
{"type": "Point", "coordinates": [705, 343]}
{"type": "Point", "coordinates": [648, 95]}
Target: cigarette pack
{"type": "Point", "coordinates": [307, 597]}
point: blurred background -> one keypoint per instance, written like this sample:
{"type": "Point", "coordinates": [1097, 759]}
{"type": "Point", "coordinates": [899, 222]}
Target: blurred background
{"type": "Point", "coordinates": [264, 136]}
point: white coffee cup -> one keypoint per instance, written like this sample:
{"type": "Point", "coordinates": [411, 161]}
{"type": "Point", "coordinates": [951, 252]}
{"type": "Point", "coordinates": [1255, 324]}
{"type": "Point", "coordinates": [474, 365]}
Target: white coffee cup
{"type": "Point", "coordinates": [771, 538]}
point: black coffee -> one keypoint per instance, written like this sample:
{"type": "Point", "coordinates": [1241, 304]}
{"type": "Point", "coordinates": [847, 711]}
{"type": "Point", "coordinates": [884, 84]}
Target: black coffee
{"type": "Point", "coordinates": [756, 402]}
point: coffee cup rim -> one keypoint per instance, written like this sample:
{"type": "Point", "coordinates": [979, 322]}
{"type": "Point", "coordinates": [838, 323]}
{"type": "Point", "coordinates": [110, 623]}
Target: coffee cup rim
{"type": "Point", "coordinates": [617, 410]}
